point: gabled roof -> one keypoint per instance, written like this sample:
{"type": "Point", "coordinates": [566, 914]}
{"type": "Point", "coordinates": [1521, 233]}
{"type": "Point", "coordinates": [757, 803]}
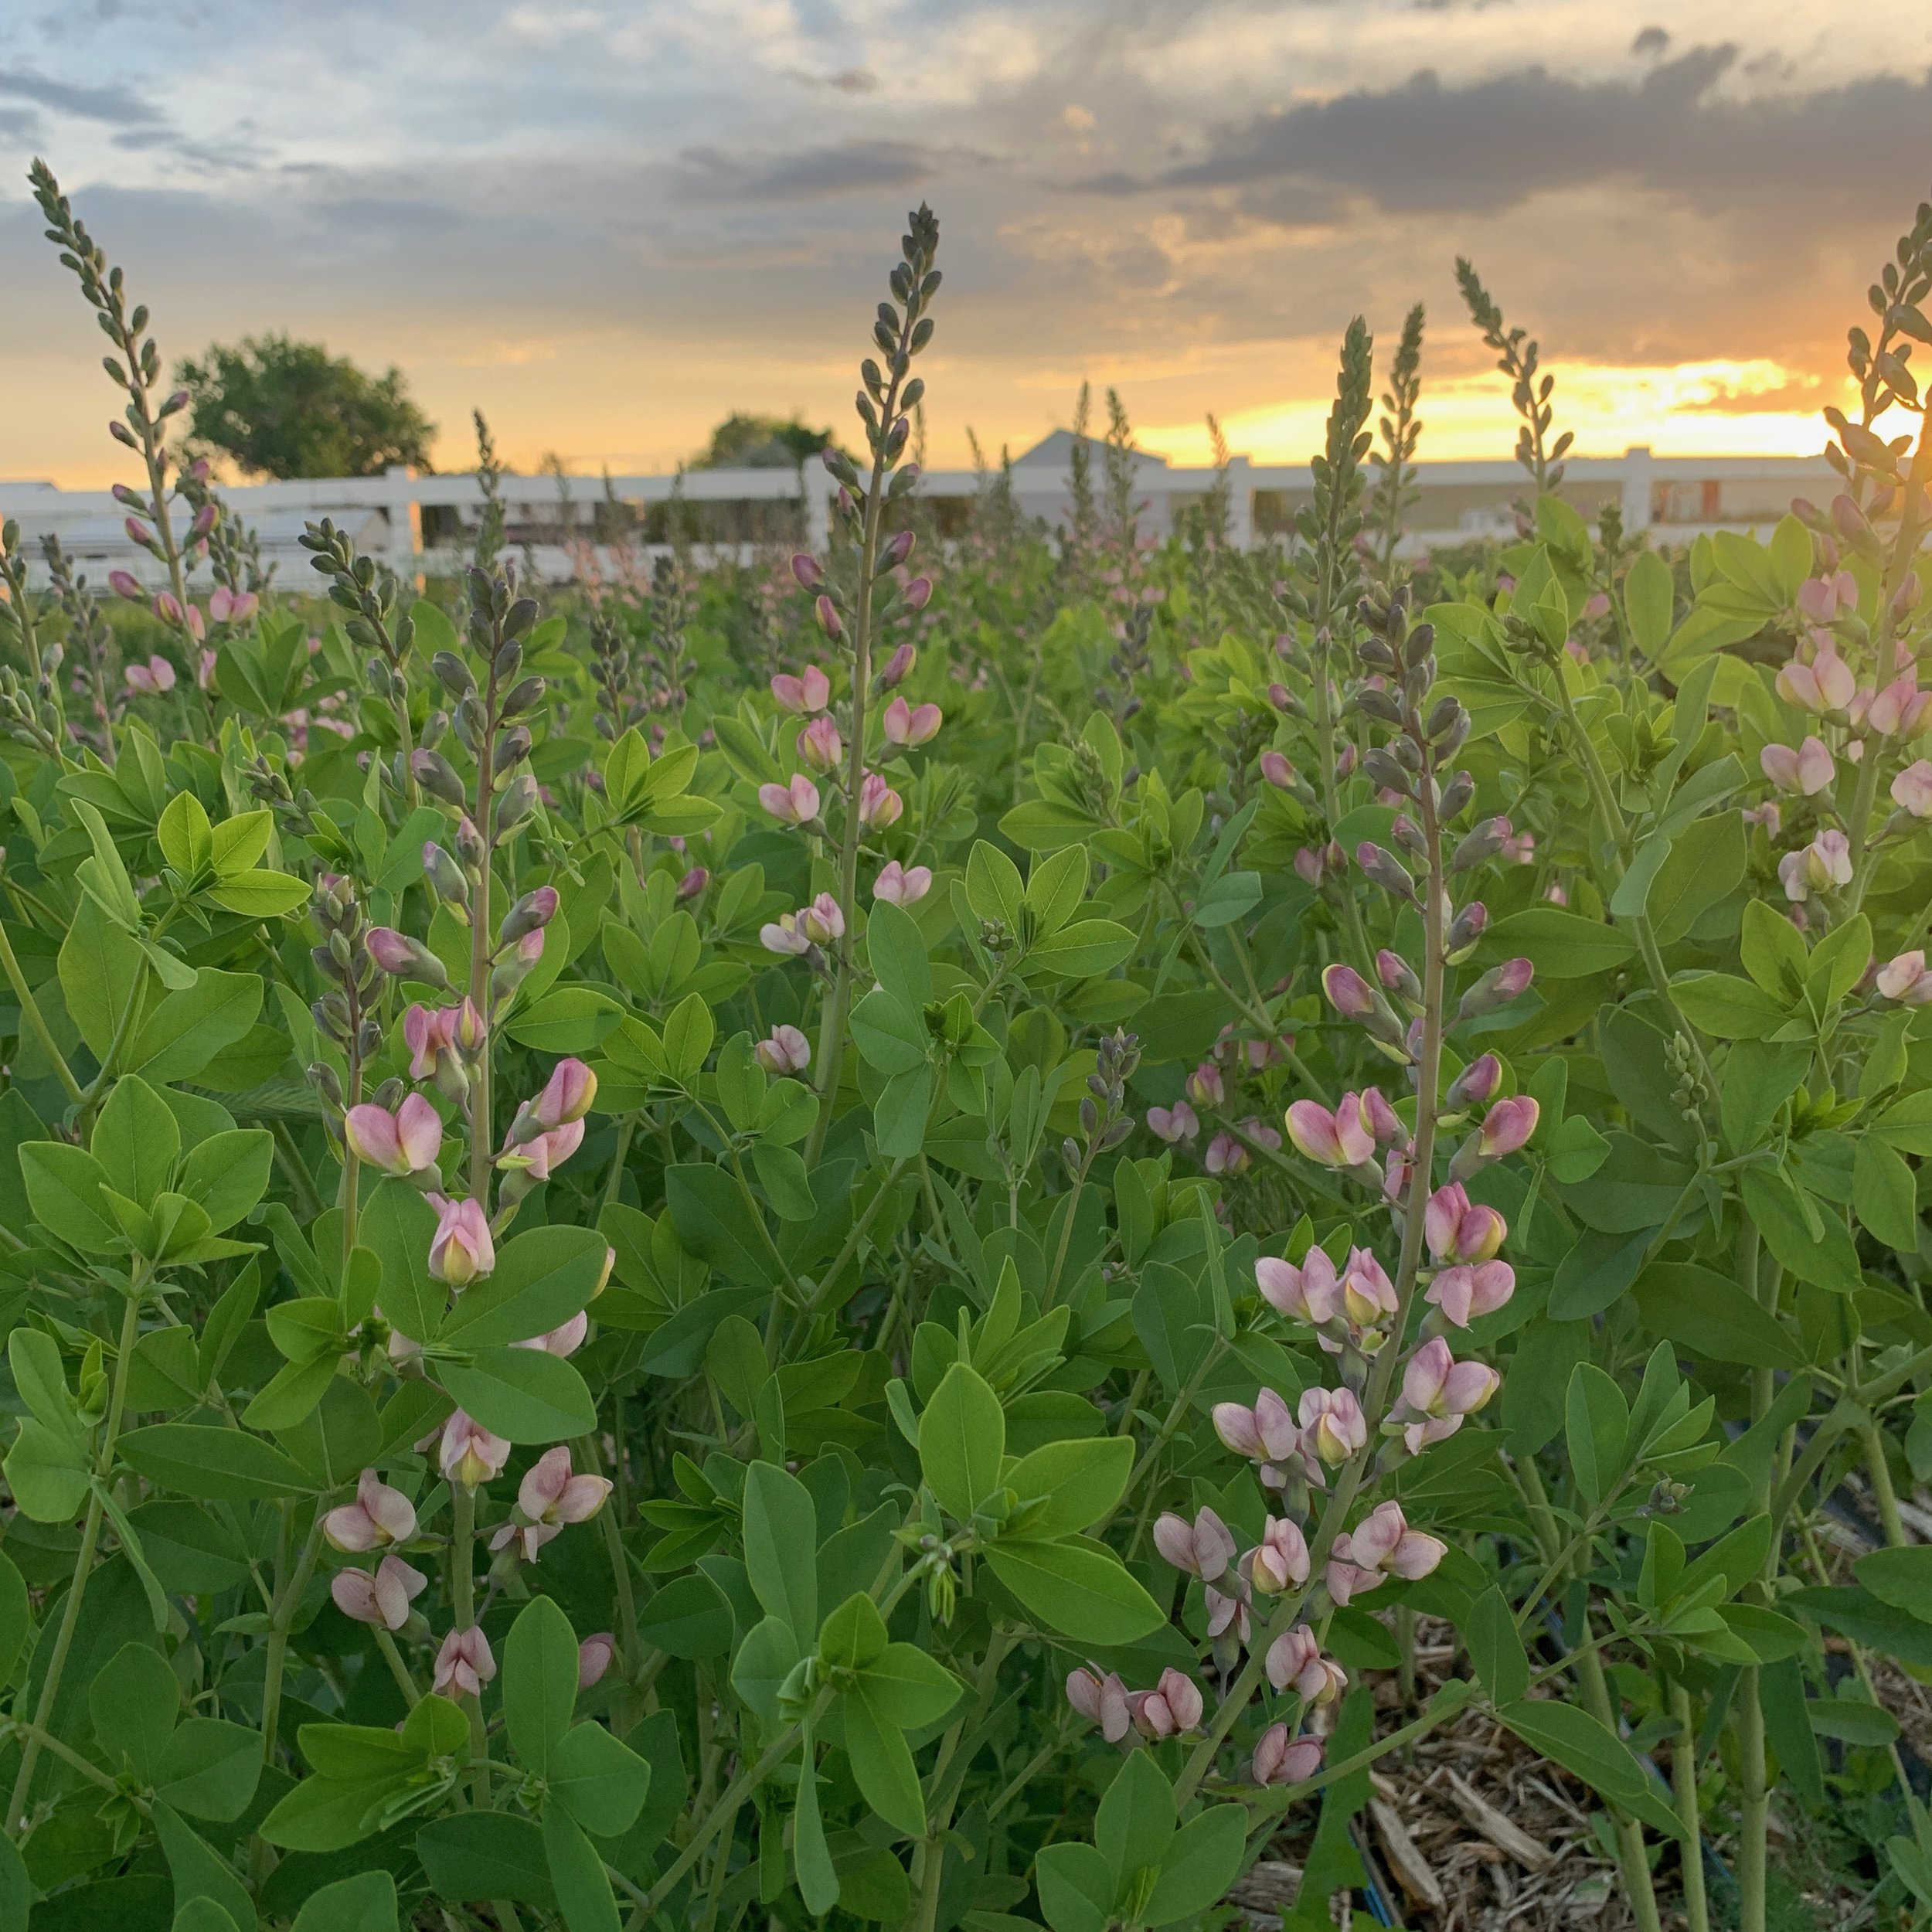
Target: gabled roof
{"type": "Point", "coordinates": [1054, 451]}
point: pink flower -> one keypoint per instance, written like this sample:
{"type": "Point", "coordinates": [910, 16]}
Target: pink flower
{"type": "Point", "coordinates": [795, 803]}
{"type": "Point", "coordinates": [548, 1498]}
{"type": "Point", "coordinates": [1174, 1124]}
{"type": "Point", "coordinates": [1204, 1547]}
{"type": "Point", "coordinates": [786, 936]}
{"type": "Point", "coordinates": [903, 724]}
{"type": "Point", "coordinates": [811, 692]}
{"type": "Point", "coordinates": [157, 675]}
{"type": "Point", "coordinates": [1311, 1293]}
{"type": "Point", "coordinates": [565, 1340]}
{"type": "Point", "coordinates": [1172, 1706]}
{"type": "Point", "coordinates": [1463, 1292]}
{"type": "Point", "coordinates": [1820, 599]}
{"type": "Point", "coordinates": [1265, 1434]}
{"type": "Point", "coordinates": [429, 1032]}
{"type": "Point", "coordinates": [567, 1095]}
{"type": "Point", "coordinates": [231, 606]}
{"type": "Point", "coordinates": [901, 885]}
{"type": "Point", "coordinates": [1332, 1424]}
{"type": "Point", "coordinates": [1205, 1087]}
{"type": "Point", "coordinates": [1277, 771]}
{"type": "Point", "coordinates": [594, 1658]}
{"type": "Point", "coordinates": [1508, 1125]}
{"type": "Point", "coordinates": [1279, 1560]}
{"type": "Point", "coordinates": [1912, 789]}
{"type": "Point", "coordinates": [382, 1599]}
{"type": "Point", "coordinates": [1225, 1613]}
{"type": "Point", "coordinates": [1906, 980]}
{"type": "Point", "coordinates": [1368, 1295]}
{"type": "Point", "coordinates": [1807, 770]}
{"type": "Point", "coordinates": [540, 1158]}
{"type": "Point", "coordinates": [406, 1142]}
{"type": "Point", "coordinates": [379, 1514]}
{"type": "Point", "coordinates": [1824, 685]}
{"type": "Point", "coordinates": [820, 745]}
{"type": "Point", "coordinates": [1438, 1391]}
{"type": "Point", "coordinates": [879, 804]}
{"type": "Point", "coordinates": [1341, 1139]}
{"type": "Point", "coordinates": [823, 921]}
{"type": "Point", "coordinates": [1475, 1085]}
{"type": "Point", "coordinates": [899, 666]}
{"type": "Point", "coordinates": [1899, 710]}
{"type": "Point", "coordinates": [1226, 1155]}
{"type": "Point", "coordinates": [918, 594]}
{"type": "Point", "coordinates": [1294, 1660]}
{"type": "Point", "coordinates": [468, 1454]}
{"type": "Point", "coordinates": [1279, 1760]}
{"type": "Point", "coordinates": [807, 571]}
{"type": "Point", "coordinates": [827, 612]}
{"type": "Point", "coordinates": [786, 1051]}
{"type": "Point", "coordinates": [1381, 1544]}
{"type": "Point", "coordinates": [464, 1665]}
{"type": "Point", "coordinates": [1457, 1230]}
{"type": "Point", "coordinates": [461, 1250]}
{"type": "Point", "coordinates": [1100, 1700]}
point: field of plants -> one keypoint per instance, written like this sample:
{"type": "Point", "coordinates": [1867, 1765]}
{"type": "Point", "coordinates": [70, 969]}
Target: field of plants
{"type": "Point", "coordinates": [1007, 1229]}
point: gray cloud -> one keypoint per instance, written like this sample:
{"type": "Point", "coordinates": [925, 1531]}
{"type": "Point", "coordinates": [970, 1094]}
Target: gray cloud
{"type": "Point", "coordinates": [117, 107]}
{"type": "Point", "coordinates": [813, 174]}
{"type": "Point", "coordinates": [1490, 144]}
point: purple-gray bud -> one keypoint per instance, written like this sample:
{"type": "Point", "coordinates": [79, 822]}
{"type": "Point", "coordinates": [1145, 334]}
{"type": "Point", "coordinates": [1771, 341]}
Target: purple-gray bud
{"type": "Point", "coordinates": [1456, 794]}
{"type": "Point", "coordinates": [437, 776]}
{"type": "Point", "coordinates": [1475, 1085]}
{"type": "Point", "coordinates": [805, 569]}
{"type": "Point", "coordinates": [1485, 842]}
{"type": "Point", "coordinates": [1497, 988]}
{"type": "Point", "coordinates": [1464, 930]}
{"type": "Point", "coordinates": [692, 884]}
{"type": "Point", "coordinates": [897, 551]}
{"type": "Point", "coordinates": [1383, 868]}
{"type": "Point", "coordinates": [445, 875]}
{"type": "Point", "coordinates": [407, 958]}
{"type": "Point", "coordinates": [531, 913]}
{"type": "Point", "coordinates": [899, 666]}
{"type": "Point", "coordinates": [1397, 975]}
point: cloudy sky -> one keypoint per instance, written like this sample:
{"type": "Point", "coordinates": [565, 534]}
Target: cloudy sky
{"type": "Point", "coordinates": [610, 222]}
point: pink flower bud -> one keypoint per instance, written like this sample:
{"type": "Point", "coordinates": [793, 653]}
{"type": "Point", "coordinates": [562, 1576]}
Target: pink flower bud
{"type": "Point", "coordinates": [1464, 1292]}
{"type": "Point", "coordinates": [379, 1515]}
{"type": "Point", "coordinates": [1808, 769]}
{"type": "Point", "coordinates": [1205, 1087]}
{"type": "Point", "coordinates": [594, 1658]}
{"type": "Point", "coordinates": [1348, 993]}
{"type": "Point", "coordinates": [1279, 1760]}
{"type": "Point", "coordinates": [823, 921]}
{"type": "Point", "coordinates": [1277, 771]}
{"type": "Point", "coordinates": [1294, 1662]}
{"type": "Point", "coordinates": [1368, 1295]}
{"type": "Point", "coordinates": [1100, 1700]}
{"type": "Point", "coordinates": [461, 1250]}
{"type": "Point", "coordinates": [1204, 1547]}
{"type": "Point", "coordinates": [784, 935]}
{"type": "Point", "coordinates": [786, 1051]}
{"type": "Point", "coordinates": [567, 1095]}
{"type": "Point", "coordinates": [879, 804]}
{"type": "Point", "coordinates": [901, 885]}
{"type": "Point", "coordinates": [1457, 1230]}
{"type": "Point", "coordinates": [1311, 1293]}
{"type": "Point", "coordinates": [1475, 1084]}
{"type": "Point", "coordinates": [820, 745]}
{"type": "Point", "coordinates": [827, 612]}
{"type": "Point", "coordinates": [1905, 979]}
{"type": "Point", "coordinates": [805, 569]}
{"type": "Point", "coordinates": [468, 1454]}
{"type": "Point", "coordinates": [1226, 1155]}
{"type": "Point", "coordinates": [124, 583]}
{"type": "Point", "coordinates": [899, 666]}
{"type": "Point", "coordinates": [918, 594]}
{"type": "Point", "coordinates": [1333, 1424]}
{"type": "Point", "coordinates": [1280, 1561]}
{"type": "Point", "coordinates": [406, 1142]}
{"type": "Point", "coordinates": [1508, 1126]}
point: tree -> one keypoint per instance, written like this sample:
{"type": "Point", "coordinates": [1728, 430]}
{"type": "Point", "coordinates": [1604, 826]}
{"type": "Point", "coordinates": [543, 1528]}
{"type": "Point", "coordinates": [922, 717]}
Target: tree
{"type": "Point", "coordinates": [282, 408]}
{"type": "Point", "coordinates": [743, 441]}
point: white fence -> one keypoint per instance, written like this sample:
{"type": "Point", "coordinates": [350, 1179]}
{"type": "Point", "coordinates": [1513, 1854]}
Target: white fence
{"type": "Point", "coordinates": [386, 514]}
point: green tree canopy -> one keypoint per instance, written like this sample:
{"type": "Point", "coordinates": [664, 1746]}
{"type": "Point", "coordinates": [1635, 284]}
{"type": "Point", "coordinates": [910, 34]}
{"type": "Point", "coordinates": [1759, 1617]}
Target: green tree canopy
{"type": "Point", "coordinates": [743, 441]}
{"type": "Point", "coordinates": [282, 408]}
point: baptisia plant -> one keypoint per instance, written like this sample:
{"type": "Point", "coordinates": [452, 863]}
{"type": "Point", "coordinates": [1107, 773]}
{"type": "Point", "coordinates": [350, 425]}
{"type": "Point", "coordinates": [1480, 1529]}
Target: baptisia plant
{"type": "Point", "coordinates": [945, 1235]}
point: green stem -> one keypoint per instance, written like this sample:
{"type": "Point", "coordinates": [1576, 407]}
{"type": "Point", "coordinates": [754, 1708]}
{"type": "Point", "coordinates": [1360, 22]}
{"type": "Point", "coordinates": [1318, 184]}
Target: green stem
{"type": "Point", "coordinates": [1630, 1832]}
{"type": "Point", "coordinates": [405, 1678]}
{"type": "Point", "coordinates": [83, 1560]}
{"type": "Point", "coordinates": [1684, 1772]}
{"type": "Point", "coordinates": [30, 1012]}
{"type": "Point", "coordinates": [280, 1619]}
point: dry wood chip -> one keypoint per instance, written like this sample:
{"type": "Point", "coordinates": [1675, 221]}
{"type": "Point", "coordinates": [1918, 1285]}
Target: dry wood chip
{"type": "Point", "coordinates": [1411, 1868]}
{"type": "Point", "coordinates": [1501, 1832]}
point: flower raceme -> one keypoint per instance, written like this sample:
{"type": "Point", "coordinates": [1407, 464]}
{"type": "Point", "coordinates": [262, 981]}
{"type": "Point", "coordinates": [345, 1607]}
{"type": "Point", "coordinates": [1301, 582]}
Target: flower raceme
{"type": "Point", "coordinates": [406, 1142]}
{"type": "Point", "coordinates": [379, 1515]}
{"type": "Point", "coordinates": [383, 1598]}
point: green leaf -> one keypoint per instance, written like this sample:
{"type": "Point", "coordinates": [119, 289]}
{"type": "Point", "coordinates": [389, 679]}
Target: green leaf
{"type": "Point", "coordinates": [1203, 1861]}
{"type": "Point", "coordinates": [65, 1187]}
{"type": "Point", "coordinates": [198, 1459]}
{"type": "Point", "coordinates": [909, 1689]}
{"type": "Point", "coordinates": [688, 1035]}
{"type": "Point", "coordinates": [962, 1440]}
{"type": "Point", "coordinates": [601, 1782]}
{"type": "Point", "coordinates": [260, 894]}
{"type": "Point", "coordinates": [397, 1225]}
{"type": "Point", "coordinates": [881, 1763]}
{"type": "Point", "coordinates": [523, 1394]}
{"type": "Point", "coordinates": [210, 1769]}
{"type": "Point", "coordinates": [136, 1140]}
{"type": "Point", "coordinates": [899, 1117]}
{"type": "Point", "coordinates": [16, 1621]}
{"type": "Point", "coordinates": [473, 1856]}
{"type": "Point", "coordinates": [542, 1277]}
{"type": "Point", "coordinates": [853, 1634]}
{"type": "Point", "coordinates": [134, 1703]}
{"type": "Point", "coordinates": [1496, 1647]}
{"type": "Point", "coordinates": [1135, 1824]}
{"type": "Point", "coordinates": [540, 1683]}
{"type": "Point", "coordinates": [1580, 1744]}
{"type": "Point", "coordinates": [781, 1548]}
{"type": "Point", "coordinates": [583, 1892]}
{"type": "Point", "coordinates": [994, 888]}
{"type": "Point", "coordinates": [364, 1903]}
{"type": "Point", "coordinates": [187, 1029]}
{"type": "Point", "coordinates": [1705, 865]}
{"type": "Point", "coordinates": [896, 948]}
{"type": "Point", "coordinates": [1076, 1887]}
{"type": "Point", "coordinates": [1075, 1586]}
{"type": "Point", "coordinates": [1727, 1007]}
{"type": "Point", "coordinates": [49, 1474]}
{"type": "Point", "coordinates": [782, 1173]}
{"type": "Point", "coordinates": [1565, 945]}
{"type": "Point", "coordinates": [1596, 1429]}
{"type": "Point", "coordinates": [1077, 1483]}
{"type": "Point", "coordinates": [817, 1882]}
{"type": "Point", "coordinates": [1081, 950]}
{"type": "Point", "coordinates": [1828, 1260]}
{"type": "Point", "coordinates": [1708, 1313]}
{"type": "Point", "coordinates": [1773, 950]}
{"type": "Point", "coordinates": [1885, 1194]}
{"type": "Point", "coordinates": [227, 1174]}
{"type": "Point", "coordinates": [1649, 598]}
{"type": "Point", "coordinates": [708, 1211]}
{"type": "Point", "coordinates": [768, 1655]}
{"type": "Point", "coordinates": [198, 1871]}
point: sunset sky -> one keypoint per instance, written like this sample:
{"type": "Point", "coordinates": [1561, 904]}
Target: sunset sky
{"type": "Point", "coordinates": [609, 222]}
